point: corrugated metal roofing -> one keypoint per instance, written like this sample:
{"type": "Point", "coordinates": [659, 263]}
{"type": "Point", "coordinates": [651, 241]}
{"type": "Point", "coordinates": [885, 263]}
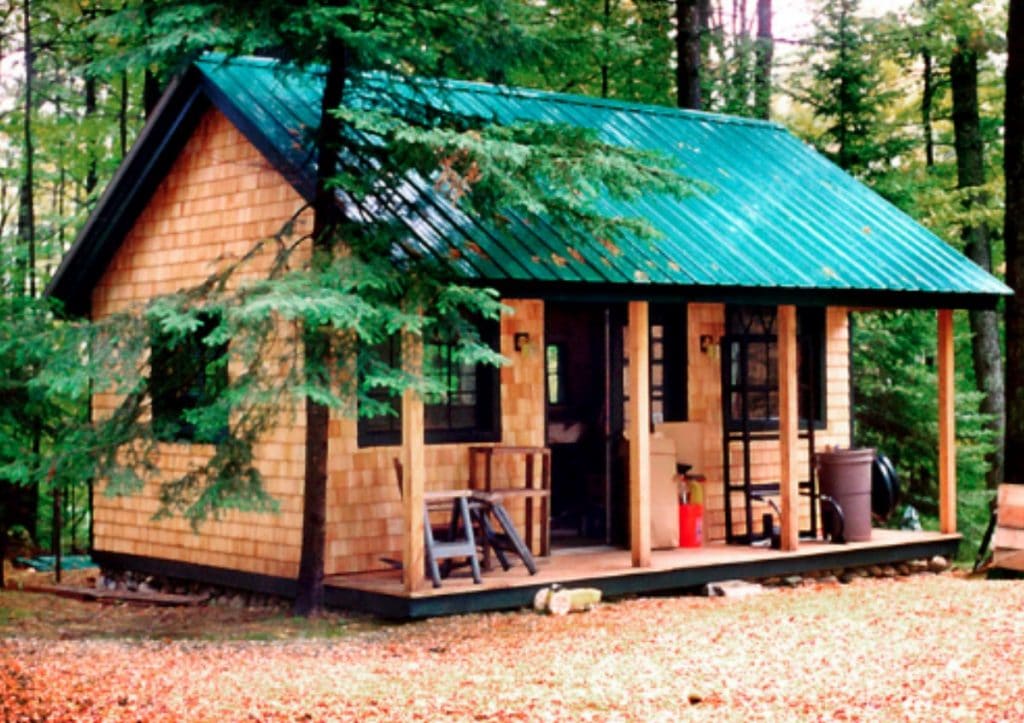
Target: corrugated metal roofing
{"type": "Point", "coordinates": [775, 214]}
{"type": "Point", "coordinates": [775, 218]}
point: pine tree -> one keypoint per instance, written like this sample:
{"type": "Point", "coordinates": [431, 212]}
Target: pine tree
{"type": "Point", "coordinates": [844, 88]}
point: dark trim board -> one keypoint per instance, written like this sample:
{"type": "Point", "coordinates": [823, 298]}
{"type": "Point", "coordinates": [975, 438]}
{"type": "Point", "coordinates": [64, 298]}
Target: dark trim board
{"type": "Point", "coordinates": [251, 581]}
{"type": "Point", "coordinates": [629, 582]}
{"type": "Point", "coordinates": [585, 291]}
{"type": "Point", "coordinates": [633, 583]}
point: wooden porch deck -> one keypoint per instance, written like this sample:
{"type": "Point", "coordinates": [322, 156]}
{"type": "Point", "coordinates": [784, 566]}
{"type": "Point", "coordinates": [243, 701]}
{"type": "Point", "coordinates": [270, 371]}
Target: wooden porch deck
{"type": "Point", "coordinates": [609, 569]}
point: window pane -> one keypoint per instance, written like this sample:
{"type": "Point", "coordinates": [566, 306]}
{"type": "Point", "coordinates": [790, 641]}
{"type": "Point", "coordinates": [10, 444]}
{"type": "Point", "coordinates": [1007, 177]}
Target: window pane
{"type": "Point", "coordinates": [554, 373]}
{"type": "Point", "coordinates": [466, 407]}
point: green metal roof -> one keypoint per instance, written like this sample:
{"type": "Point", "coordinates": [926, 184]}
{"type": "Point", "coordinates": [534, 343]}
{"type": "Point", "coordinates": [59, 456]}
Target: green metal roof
{"type": "Point", "coordinates": [777, 218]}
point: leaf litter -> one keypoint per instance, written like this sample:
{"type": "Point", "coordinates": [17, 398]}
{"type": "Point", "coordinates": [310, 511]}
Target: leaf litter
{"type": "Point", "coordinates": [926, 648]}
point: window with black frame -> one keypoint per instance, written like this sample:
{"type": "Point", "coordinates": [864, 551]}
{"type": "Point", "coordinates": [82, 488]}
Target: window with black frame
{"type": "Point", "coordinates": [752, 372]}
{"type": "Point", "coordinates": [668, 380]}
{"type": "Point", "coordinates": [468, 409]}
{"type": "Point", "coordinates": [667, 337]}
{"type": "Point", "coordinates": [186, 375]}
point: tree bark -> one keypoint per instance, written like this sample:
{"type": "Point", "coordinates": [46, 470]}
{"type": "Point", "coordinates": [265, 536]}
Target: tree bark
{"type": "Point", "coordinates": [688, 54]}
{"type": "Point", "coordinates": [91, 178]}
{"type": "Point", "coordinates": [327, 213]}
{"type": "Point", "coordinates": [764, 51]}
{"type": "Point", "coordinates": [1013, 233]}
{"type": "Point", "coordinates": [927, 97]}
{"type": "Point", "coordinates": [151, 92]}
{"type": "Point", "coordinates": [970, 161]}
{"type": "Point", "coordinates": [26, 208]}
{"type": "Point", "coordinates": [122, 115]}
{"type": "Point", "coordinates": [605, 69]}
{"type": "Point", "coordinates": [25, 498]}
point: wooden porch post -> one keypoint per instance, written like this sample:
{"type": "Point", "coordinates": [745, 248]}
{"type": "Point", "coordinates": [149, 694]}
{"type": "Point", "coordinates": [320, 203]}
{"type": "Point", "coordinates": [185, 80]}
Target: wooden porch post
{"type": "Point", "coordinates": [413, 470]}
{"type": "Point", "coordinates": [639, 434]}
{"type": "Point", "coordinates": [947, 424]}
{"type": "Point", "coordinates": [788, 429]}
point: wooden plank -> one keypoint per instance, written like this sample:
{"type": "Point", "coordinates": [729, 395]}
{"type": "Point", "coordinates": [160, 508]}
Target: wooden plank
{"type": "Point", "coordinates": [1007, 538]}
{"type": "Point", "coordinates": [1008, 559]}
{"type": "Point", "coordinates": [639, 434]}
{"type": "Point", "coordinates": [117, 596]}
{"type": "Point", "coordinates": [1010, 504]}
{"type": "Point", "coordinates": [1010, 516]}
{"type": "Point", "coordinates": [788, 428]}
{"type": "Point", "coordinates": [414, 469]}
{"type": "Point", "coordinates": [947, 423]}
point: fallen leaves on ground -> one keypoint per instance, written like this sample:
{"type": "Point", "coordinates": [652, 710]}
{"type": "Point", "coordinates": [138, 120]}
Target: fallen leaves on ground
{"type": "Point", "coordinates": [925, 648]}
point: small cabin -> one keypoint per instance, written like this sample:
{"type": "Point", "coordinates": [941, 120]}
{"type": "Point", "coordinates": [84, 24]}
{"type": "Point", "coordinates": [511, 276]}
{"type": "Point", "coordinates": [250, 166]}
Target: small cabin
{"type": "Point", "coordinates": [722, 348]}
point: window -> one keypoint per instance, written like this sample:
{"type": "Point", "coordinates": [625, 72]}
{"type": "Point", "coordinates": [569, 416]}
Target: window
{"type": "Point", "coordinates": [752, 376]}
{"type": "Point", "coordinates": [668, 364]}
{"type": "Point", "coordinates": [383, 429]}
{"type": "Point", "coordinates": [186, 375]}
{"type": "Point", "coordinates": [553, 355]}
{"type": "Point", "coordinates": [468, 410]}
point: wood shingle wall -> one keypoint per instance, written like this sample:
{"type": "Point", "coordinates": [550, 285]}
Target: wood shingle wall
{"type": "Point", "coordinates": [219, 198]}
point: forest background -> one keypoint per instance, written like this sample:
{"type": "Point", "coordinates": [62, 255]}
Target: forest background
{"type": "Point", "coordinates": [906, 96]}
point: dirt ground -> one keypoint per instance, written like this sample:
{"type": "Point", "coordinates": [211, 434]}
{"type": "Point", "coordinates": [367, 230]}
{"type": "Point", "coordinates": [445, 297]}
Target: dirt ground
{"type": "Point", "coordinates": [49, 617]}
{"type": "Point", "coordinates": [930, 647]}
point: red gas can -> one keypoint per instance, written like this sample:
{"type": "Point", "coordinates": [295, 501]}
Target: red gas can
{"type": "Point", "coordinates": [691, 525]}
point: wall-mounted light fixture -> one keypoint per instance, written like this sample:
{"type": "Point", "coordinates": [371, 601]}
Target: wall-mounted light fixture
{"type": "Point", "coordinates": [520, 340]}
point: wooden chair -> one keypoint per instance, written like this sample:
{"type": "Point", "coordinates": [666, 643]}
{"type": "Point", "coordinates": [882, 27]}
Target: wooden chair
{"type": "Point", "coordinates": [498, 532]}
{"type": "Point", "coordinates": [457, 540]}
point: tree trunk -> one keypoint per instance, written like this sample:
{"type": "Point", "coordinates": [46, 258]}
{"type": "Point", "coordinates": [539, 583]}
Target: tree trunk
{"type": "Point", "coordinates": [26, 498]}
{"type": "Point", "coordinates": [151, 92]}
{"type": "Point", "coordinates": [843, 156]}
{"type": "Point", "coordinates": [327, 213]}
{"type": "Point", "coordinates": [1013, 233]}
{"type": "Point", "coordinates": [927, 96]}
{"type": "Point", "coordinates": [970, 161]}
{"type": "Point", "coordinates": [26, 210]}
{"type": "Point", "coordinates": [764, 51]}
{"type": "Point", "coordinates": [122, 115]}
{"type": "Point", "coordinates": [688, 54]}
{"type": "Point", "coordinates": [90, 110]}
{"type": "Point", "coordinates": [605, 69]}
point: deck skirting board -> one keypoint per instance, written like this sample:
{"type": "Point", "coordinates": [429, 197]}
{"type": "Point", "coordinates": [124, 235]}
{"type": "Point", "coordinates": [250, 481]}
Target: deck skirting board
{"type": "Point", "coordinates": [635, 582]}
{"type": "Point", "coordinates": [206, 574]}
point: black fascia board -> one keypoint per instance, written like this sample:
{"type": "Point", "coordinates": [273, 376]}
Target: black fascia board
{"type": "Point", "coordinates": [769, 295]}
{"type": "Point", "coordinates": [159, 143]}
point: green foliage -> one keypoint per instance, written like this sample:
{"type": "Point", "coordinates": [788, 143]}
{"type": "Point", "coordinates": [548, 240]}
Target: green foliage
{"type": "Point", "coordinates": [605, 48]}
{"type": "Point", "coordinates": [895, 405]}
{"type": "Point", "coordinates": [843, 85]}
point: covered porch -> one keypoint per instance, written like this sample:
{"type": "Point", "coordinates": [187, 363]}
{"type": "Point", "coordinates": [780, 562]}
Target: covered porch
{"type": "Point", "coordinates": [640, 568]}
